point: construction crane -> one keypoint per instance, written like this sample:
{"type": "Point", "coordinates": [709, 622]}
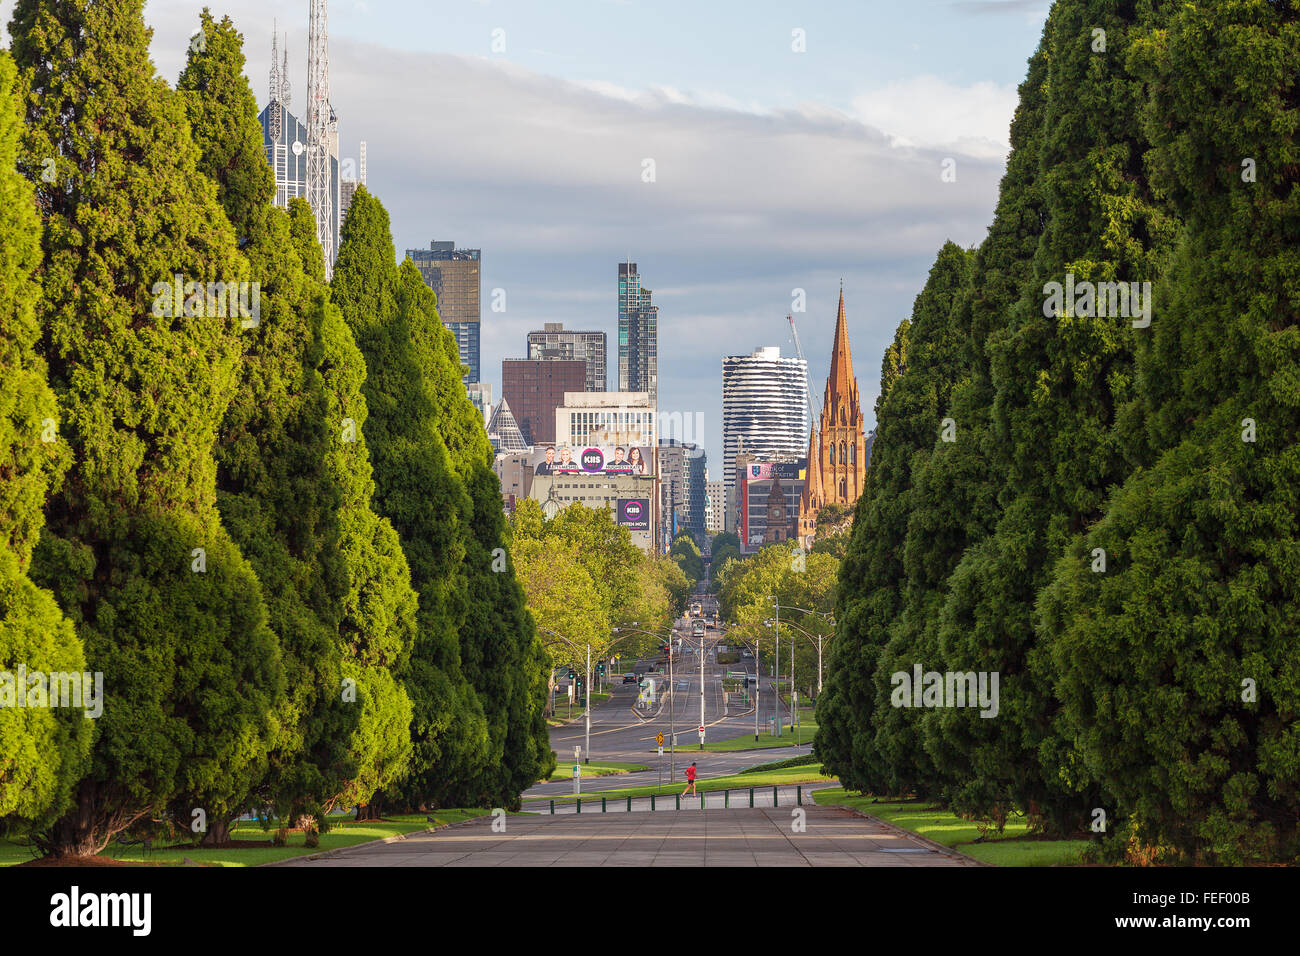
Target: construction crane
{"type": "Point", "coordinates": [799, 351]}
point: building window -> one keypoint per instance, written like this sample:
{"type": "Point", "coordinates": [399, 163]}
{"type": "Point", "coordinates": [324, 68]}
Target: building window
{"type": "Point", "coordinates": [832, 453]}
{"type": "Point", "coordinates": [853, 454]}
{"type": "Point", "coordinates": [842, 455]}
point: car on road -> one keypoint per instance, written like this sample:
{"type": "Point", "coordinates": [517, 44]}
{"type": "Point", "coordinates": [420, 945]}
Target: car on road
{"type": "Point", "coordinates": [630, 678]}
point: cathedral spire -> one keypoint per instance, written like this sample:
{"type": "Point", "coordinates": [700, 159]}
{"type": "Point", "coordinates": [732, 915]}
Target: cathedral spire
{"type": "Point", "coordinates": [841, 385]}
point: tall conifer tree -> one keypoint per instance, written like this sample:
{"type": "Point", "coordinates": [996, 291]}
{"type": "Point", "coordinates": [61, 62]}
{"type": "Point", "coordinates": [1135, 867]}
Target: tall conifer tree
{"type": "Point", "coordinates": [275, 492]}
{"type": "Point", "coordinates": [42, 750]}
{"type": "Point", "coordinates": [418, 490]}
{"type": "Point", "coordinates": [134, 549]}
{"type": "Point", "coordinates": [497, 636]}
{"type": "Point", "coordinates": [1177, 666]}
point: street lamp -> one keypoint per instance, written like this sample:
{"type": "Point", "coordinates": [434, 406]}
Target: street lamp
{"type": "Point", "coordinates": [672, 722]}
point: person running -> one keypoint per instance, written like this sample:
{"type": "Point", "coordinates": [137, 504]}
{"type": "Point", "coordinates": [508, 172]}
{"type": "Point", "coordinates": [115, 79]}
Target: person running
{"type": "Point", "coordinates": [690, 781]}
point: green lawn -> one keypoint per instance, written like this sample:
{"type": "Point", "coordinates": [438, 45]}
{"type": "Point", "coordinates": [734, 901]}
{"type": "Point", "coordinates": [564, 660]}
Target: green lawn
{"type": "Point", "coordinates": [1011, 848]}
{"type": "Point", "coordinates": [564, 770]}
{"type": "Point", "coordinates": [769, 778]}
{"type": "Point", "coordinates": [561, 715]}
{"type": "Point", "coordinates": [343, 832]}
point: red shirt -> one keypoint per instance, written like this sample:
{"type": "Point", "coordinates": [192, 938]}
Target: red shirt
{"type": "Point", "coordinates": [690, 773]}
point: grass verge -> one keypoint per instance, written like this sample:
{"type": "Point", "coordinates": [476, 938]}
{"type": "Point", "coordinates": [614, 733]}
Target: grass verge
{"type": "Point", "coordinates": [1015, 846]}
{"type": "Point", "coordinates": [564, 771]}
{"type": "Point", "coordinates": [343, 833]}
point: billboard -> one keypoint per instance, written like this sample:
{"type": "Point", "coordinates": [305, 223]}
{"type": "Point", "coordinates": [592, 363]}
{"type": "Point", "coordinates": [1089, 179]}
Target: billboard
{"type": "Point", "coordinates": [634, 513]}
{"type": "Point", "coordinates": [592, 460]}
{"type": "Point", "coordinates": [767, 470]}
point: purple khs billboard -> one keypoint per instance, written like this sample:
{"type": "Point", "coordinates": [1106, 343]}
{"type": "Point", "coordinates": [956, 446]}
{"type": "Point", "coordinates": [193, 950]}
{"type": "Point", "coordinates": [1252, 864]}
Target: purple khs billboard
{"type": "Point", "coordinates": [634, 513]}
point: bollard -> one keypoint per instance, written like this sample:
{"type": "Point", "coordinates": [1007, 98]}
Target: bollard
{"type": "Point", "coordinates": [579, 805]}
{"type": "Point", "coordinates": [774, 796]}
{"type": "Point", "coordinates": [602, 804]}
{"type": "Point", "coordinates": [751, 798]}
{"type": "Point", "coordinates": [678, 801]}
{"type": "Point", "coordinates": [552, 808]}
{"type": "Point", "coordinates": [629, 804]}
{"type": "Point", "coordinates": [726, 799]}
{"type": "Point", "coordinates": [798, 792]}
{"type": "Point", "coordinates": [652, 801]}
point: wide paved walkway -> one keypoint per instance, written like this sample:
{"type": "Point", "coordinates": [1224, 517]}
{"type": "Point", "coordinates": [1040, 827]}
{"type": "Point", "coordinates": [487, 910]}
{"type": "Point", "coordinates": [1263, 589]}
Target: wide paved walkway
{"type": "Point", "coordinates": [760, 837]}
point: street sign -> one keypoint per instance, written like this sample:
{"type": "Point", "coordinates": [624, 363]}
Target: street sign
{"type": "Point", "coordinates": [577, 770]}
{"type": "Point", "coordinates": [661, 750]}
{"type": "Point", "coordinates": [701, 728]}
{"type": "Point", "coordinates": [659, 739]}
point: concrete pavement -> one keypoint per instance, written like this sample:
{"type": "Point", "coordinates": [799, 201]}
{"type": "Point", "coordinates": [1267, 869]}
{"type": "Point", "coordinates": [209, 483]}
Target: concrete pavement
{"type": "Point", "coordinates": [830, 836]}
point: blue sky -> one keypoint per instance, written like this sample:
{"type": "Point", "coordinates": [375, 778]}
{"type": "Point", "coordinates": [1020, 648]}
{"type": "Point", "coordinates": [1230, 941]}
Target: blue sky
{"type": "Point", "coordinates": [775, 169]}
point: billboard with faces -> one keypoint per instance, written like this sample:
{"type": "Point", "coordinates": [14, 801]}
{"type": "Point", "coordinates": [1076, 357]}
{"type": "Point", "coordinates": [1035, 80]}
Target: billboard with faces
{"type": "Point", "coordinates": [592, 460]}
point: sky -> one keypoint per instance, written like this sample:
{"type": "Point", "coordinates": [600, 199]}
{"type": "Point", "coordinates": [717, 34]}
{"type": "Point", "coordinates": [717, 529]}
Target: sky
{"type": "Point", "coordinates": [794, 145]}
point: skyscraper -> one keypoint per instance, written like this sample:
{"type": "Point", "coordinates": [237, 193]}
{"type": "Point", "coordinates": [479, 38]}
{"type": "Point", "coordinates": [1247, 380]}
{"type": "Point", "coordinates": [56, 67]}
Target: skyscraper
{"type": "Point", "coordinates": [638, 335]}
{"type": "Point", "coordinates": [456, 276]}
{"type": "Point", "coordinates": [285, 139]}
{"type": "Point", "coordinates": [553, 342]}
{"type": "Point", "coordinates": [764, 407]}
{"type": "Point", "coordinates": [682, 469]}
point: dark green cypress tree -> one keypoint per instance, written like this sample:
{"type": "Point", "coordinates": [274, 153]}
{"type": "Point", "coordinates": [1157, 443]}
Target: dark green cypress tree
{"type": "Point", "coordinates": [418, 490]}
{"type": "Point", "coordinates": [497, 634]}
{"type": "Point", "coordinates": [134, 549]}
{"type": "Point", "coordinates": [956, 484]}
{"type": "Point", "coordinates": [42, 750]}
{"type": "Point", "coordinates": [378, 627]}
{"type": "Point", "coordinates": [844, 708]}
{"type": "Point", "coordinates": [1058, 380]}
{"type": "Point", "coordinates": [275, 492]}
{"type": "Point", "coordinates": [909, 421]}
{"type": "Point", "coordinates": [1177, 666]}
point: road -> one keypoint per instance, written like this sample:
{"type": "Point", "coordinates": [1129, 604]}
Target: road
{"type": "Point", "coordinates": [805, 836]}
{"type": "Point", "coordinates": [623, 733]}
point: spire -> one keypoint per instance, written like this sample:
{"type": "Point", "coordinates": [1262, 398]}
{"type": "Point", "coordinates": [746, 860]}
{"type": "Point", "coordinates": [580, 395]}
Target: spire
{"type": "Point", "coordinates": [284, 75]}
{"type": "Point", "coordinates": [841, 385]}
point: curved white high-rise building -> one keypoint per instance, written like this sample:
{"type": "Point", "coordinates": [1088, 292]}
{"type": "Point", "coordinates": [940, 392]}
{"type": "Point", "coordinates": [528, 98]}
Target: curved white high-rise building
{"type": "Point", "coordinates": [764, 406]}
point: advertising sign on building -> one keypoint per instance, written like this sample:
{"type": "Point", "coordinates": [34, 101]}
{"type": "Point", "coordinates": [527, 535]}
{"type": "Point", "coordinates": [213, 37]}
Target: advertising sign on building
{"type": "Point", "coordinates": [592, 460]}
{"type": "Point", "coordinates": [634, 513]}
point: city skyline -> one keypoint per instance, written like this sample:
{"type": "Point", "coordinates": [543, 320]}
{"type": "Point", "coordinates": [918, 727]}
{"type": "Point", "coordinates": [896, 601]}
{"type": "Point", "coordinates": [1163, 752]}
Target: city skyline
{"type": "Point", "coordinates": [535, 157]}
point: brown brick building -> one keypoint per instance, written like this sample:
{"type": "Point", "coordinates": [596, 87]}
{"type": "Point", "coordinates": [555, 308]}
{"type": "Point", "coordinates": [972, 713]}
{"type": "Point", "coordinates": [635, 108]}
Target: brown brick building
{"type": "Point", "coordinates": [535, 389]}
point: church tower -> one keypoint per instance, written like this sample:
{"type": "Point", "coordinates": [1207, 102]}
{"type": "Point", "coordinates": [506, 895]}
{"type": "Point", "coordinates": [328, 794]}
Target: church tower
{"type": "Point", "coordinates": [837, 466]}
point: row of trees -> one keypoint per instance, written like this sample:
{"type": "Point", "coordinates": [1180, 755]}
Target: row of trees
{"type": "Point", "coordinates": [803, 585]}
{"type": "Point", "coordinates": [1102, 512]}
{"type": "Point", "coordinates": [278, 537]}
{"type": "Point", "coordinates": [587, 584]}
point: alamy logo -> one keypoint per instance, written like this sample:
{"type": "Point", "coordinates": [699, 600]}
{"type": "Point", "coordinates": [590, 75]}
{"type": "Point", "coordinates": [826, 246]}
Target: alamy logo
{"type": "Point", "coordinates": [27, 689]}
{"type": "Point", "coordinates": [946, 689]}
{"type": "Point", "coordinates": [216, 300]}
{"type": "Point", "coordinates": [1100, 300]}
{"type": "Point", "coordinates": [74, 909]}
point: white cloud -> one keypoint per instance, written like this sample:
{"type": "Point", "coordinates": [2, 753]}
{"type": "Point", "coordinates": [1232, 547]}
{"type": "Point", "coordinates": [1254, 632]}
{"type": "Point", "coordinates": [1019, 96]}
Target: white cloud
{"type": "Point", "coordinates": [928, 111]}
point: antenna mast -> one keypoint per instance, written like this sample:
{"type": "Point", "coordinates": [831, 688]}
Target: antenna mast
{"type": "Point", "coordinates": [319, 124]}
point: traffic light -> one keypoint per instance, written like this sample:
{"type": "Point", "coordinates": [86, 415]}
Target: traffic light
{"type": "Point", "coordinates": [570, 675]}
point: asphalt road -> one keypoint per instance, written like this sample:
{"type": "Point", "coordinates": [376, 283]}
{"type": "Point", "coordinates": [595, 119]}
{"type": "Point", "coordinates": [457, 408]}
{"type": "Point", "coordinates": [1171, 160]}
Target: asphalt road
{"type": "Point", "coordinates": [619, 733]}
